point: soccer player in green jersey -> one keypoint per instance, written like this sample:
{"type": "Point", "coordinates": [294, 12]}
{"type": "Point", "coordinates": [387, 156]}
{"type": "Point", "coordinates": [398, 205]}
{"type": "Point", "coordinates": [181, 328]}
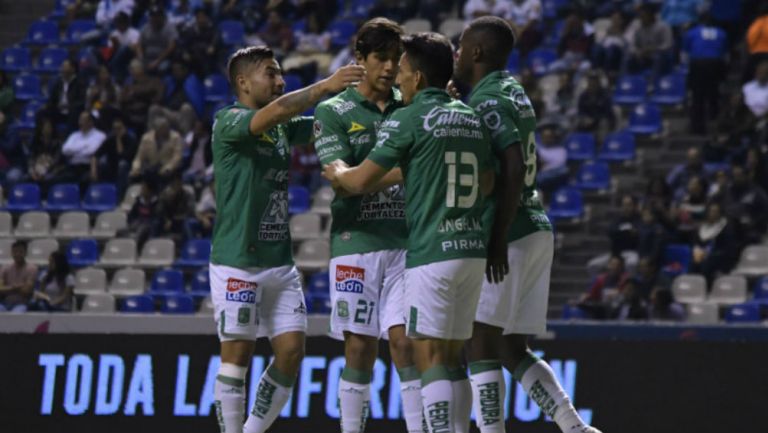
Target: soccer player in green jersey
{"type": "Point", "coordinates": [445, 156]}
{"type": "Point", "coordinates": [521, 241]}
{"type": "Point", "coordinates": [255, 288]}
{"type": "Point", "coordinates": [368, 233]}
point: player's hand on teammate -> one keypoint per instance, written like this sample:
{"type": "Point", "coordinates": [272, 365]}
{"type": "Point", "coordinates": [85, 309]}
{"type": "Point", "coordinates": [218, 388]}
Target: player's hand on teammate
{"type": "Point", "coordinates": [344, 77]}
{"type": "Point", "coordinates": [496, 266]}
{"type": "Point", "coordinates": [452, 90]}
{"type": "Point", "coordinates": [330, 171]}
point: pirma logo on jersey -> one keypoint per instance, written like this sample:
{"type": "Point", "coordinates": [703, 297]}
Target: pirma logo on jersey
{"type": "Point", "coordinates": [241, 291]}
{"type": "Point", "coordinates": [349, 279]}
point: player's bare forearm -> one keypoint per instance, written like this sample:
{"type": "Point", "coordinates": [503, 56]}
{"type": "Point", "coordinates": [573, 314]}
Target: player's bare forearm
{"type": "Point", "coordinates": [393, 177]}
{"type": "Point", "coordinates": [509, 187]}
{"type": "Point", "coordinates": [360, 179]}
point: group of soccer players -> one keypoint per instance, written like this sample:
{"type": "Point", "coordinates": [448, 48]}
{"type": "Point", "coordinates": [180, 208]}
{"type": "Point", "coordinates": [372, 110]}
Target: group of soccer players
{"type": "Point", "coordinates": [439, 241]}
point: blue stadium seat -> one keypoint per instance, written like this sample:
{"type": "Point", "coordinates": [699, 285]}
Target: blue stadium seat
{"type": "Point", "coordinates": [196, 252]}
{"type": "Point", "coordinates": [27, 87]}
{"type": "Point", "coordinates": [292, 82]}
{"type": "Point", "coordinates": [201, 284]}
{"type": "Point", "coordinates": [540, 59]}
{"type": "Point", "coordinates": [178, 304]}
{"type": "Point", "coordinates": [645, 119]}
{"type": "Point", "coordinates": [298, 199]}
{"type": "Point", "coordinates": [618, 146]}
{"type": "Point", "coordinates": [567, 202]}
{"type": "Point", "coordinates": [550, 8]}
{"type": "Point", "coordinates": [167, 282]}
{"type": "Point", "coordinates": [137, 304]}
{"type": "Point", "coordinates": [580, 146]}
{"type": "Point", "coordinates": [77, 29]}
{"type": "Point", "coordinates": [677, 259]}
{"type": "Point", "coordinates": [318, 303]}
{"type": "Point", "coordinates": [26, 119]}
{"type": "Point", "coordinates": [60, 8]}
{"type": "Point", "coordinates": [761, 289]}
{"type": "Point", "coordinates": [100, 197]}
{"type": "Point", "coordinates": [50, 59]}
{"type": "Point", "coordinates": [43, 32]}
{"type": "Point", "coordinates": [552, 38]}
{"type": "Point", "coordinates": [670, 90]}
{"type": "Point", "coordinates": [341, 32]}
{"type": "Point", "coordinates": [232, 32]}
{"type": "Point", "coordinates": [593, 175]}
{"type": "Point", "coordinates": [216, 88]}
{"type": "Point", "coordinates": [630, 90]}
{"type": "Point", "coordinates": [573, 312]}
{"type": "Point", "coordinates": [360, 9]}
{"type": "Point", "coordinates": [513, 62]}
{"type": "Point", "coordinates": [16, 59]}
{"type": "Point", "coordinates": [318, 282]}
{"type": "Point", "coordinates": [63, 197]}
{"type": "Point", "coordinates": [82, 252]}
{"type": "Point", "coordinates": [24, 197]}
{"type": "Point", "coordinates": [743, 313]}
{"type": "Point", "coordinates": [299, 26]}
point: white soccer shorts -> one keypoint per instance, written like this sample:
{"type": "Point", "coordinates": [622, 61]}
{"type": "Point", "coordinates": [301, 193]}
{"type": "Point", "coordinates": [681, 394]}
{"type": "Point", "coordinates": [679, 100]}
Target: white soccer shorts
{"type": "Point", "coordinates": [442, 298]}
{"type": "Point", "coordinates": [257, 302]}
{"type": "Point", "coordinates": [367, 293]}
{"type": "Point", "coordinates": [519, 303]}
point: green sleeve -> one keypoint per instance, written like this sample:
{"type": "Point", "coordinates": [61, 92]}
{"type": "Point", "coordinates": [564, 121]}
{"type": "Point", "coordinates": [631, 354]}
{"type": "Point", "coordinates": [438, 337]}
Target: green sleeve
{"type": "Point", "coordinates": [233, 125]}
{"type": "Point", "coordinates": [498, 116]}
{"type": "Point", "coordinates": [331, 139]}
{"type": "Point", "coordinates": [393, 141]}
{"type": "Point", "coordinates": [299, 130]}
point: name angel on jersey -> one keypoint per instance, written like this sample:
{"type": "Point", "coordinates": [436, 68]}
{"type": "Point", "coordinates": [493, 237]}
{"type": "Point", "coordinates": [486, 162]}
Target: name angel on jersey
{"type": "Point", "coordinates": [460, 225]}
{"type": "Point", "coordinates": [387, 204]}
{"type": "Point", "coordinates": [274, 222]}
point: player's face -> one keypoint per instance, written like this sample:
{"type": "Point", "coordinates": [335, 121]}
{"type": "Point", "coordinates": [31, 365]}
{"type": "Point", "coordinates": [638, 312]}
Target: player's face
{"type": "Point", "coordinates": [263, 83]}
{"type": "Point", "coordinates": [381, 69]}
{"type": "Point", "coordinates": [463, 67]}
{"type": "Point", "coordinates": [407, 79]}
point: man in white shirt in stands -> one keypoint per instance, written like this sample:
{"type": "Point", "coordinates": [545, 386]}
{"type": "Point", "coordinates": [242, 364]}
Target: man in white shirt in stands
{"type": "Point", "coordinates": [80, 146]}
{"type": "Point", "coordinates": [756, 91]}
{"type": "Point", "coordinates": [108, 10]}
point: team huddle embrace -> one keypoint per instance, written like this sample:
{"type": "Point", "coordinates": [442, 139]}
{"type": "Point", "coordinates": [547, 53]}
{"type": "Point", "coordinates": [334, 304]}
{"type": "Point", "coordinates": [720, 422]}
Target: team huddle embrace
{"type": "Point", "coordinates": [439, 242]}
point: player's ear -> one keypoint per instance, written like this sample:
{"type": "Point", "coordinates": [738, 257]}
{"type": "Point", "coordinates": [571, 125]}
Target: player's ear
{"type": "Point", "coordinates": [477, 53]}
{"type": "Point", "coordinates": [242, 84]}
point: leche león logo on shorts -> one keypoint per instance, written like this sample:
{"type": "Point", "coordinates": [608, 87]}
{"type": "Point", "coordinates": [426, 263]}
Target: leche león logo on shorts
{"type": "Point", "coordinates": [349, 279]}
{"type": "Point", "coordinates": [241, 291]}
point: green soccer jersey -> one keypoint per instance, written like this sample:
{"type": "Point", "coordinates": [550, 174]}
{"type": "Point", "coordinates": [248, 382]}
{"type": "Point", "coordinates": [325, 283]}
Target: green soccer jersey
{"type": "Point", "coordinates": [345, 128]}
{"type": "Point", "coordinates": [442, 147]}
{"type": "Point", "coordinates": [509, 116]}
{"type": "Point", "coordinates": [251, 171]}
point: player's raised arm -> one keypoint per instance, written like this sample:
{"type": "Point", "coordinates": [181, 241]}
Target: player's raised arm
{"type": "Point", "coordinates": [289, 105]}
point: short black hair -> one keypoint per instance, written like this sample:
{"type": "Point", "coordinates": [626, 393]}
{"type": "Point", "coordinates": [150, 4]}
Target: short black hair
{"type": "Point", "coordinates": [432, 55]}
{"type": "Point", "coordinates": [19, 244]}
{"type": "Point", "coordinates": [496, 36]}
{"type": "Point", "coordinates": [378, 35]}
{"type": "Point", "coordinates": [245, 57]}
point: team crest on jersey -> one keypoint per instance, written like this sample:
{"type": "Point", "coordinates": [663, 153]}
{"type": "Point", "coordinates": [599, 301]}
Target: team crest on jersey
{"type": "Point", "coordinates": [492, 120]}
{"type": "Point", "coordinates": [349, 279]}
{"type": "Point", "coordinates": [241, 291]}
{"type": "Point", "coordinates": [521, 102]}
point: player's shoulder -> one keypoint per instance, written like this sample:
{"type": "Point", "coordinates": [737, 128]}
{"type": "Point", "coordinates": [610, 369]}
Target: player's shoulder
{"type": "Point", "coordinates": [338, 105]}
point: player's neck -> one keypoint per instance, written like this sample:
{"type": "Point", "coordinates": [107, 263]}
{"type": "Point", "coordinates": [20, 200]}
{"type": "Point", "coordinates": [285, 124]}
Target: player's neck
{"type": "Point", "coordinates": [480, 72]}
{"type": "Point", "coordinates": [250, 104]}
{"type": "Point", "coordinates": [372, 94]}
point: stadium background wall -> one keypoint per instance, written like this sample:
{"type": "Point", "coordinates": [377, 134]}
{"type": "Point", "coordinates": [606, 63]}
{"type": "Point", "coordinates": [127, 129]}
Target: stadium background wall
{"type": "Point", "coordinates": [640, 380]}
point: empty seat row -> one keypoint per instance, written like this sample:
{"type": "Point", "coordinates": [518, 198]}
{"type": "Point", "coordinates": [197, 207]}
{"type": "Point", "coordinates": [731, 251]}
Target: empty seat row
{"type": "Point", "coordinates": [104, 303]}
{"type": "Point", "coordinates": [69, 225]}
{"type": "Point", "coordinates": [753, 261]}
{"type": "Point", "coordinates": [668, 90]}
{"type": "Point", "coordinates": [85, 252]}
{"type": "Point", "coordinates": [725, 290]}
{"type": "Point", "coordinates": [99, 197]}
{"type": "Point", "coordinates": [617, 146]}
{"type": "Point", "coordinates": [131, 282]}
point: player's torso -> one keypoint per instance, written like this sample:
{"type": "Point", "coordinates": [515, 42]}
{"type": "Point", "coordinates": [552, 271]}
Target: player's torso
{"type": "Point", "coordinates": [498, 89]}
{"type": "Point", "coordinates": [251, 197]}
{"type": "Point", "coordinates": [443, 199]}
{"type": "Point", "coordinates": [371, 222]}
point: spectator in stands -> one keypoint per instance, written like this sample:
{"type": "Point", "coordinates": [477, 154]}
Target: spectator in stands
{"type": "Point", "coordinates": [198, 142]}
{"type": "Point", "coordinates": [679, 177]}
{"type": "Point", "coordinates": [138, 95]}
{"type": "Point", "coordinates": [174, 207]}
{"type": "Point", "coordinates": [689, 211]}
{"type": "Point", "coordinates": [526, 16]}
{"type": "Point", "coordinates": [45, 161]}
{"type": "Point", "coordinates": [123, 42]}
{"type": "Point", "coordinates": [6, 97]}
{"type": "Point", "coordinates": [706, 48]}
{"type": "Point", "coordinates": [312, 46]}
{"type": "Point", "coordinates": [629, 304]}
{"type": "Point", "coordinates": [478, 8]}
{"type": "Point", "coordinates": [396, 10]}
{"type": "Point", "coordinates": [108, 10]}
{"type": "Point", "coordinates": [201, 43]}
{"type": "Point", "coordinates": [608, 50]}
{"type": "Point", "coordinates": [277, 34]}
{"type": "Point", "coordinates": [746, 203]}
{"type": "Point", "coordinates": [103, 98]}
{"type": "Point", "coordinates": [757, 42]}
{"type": "Point", "coordinates": [112, 162]}
{"type": "Point", "coordinates": [305, 166]}
{"type": "Point", "coordinates": [80, 147]}
{"type": "Point", "coordinates": [159, 153]}
{"type": "Point", "coordinates": [681, 14]}
{"type": "Point", "coordinates": [157, 42]}
{"type": "Point", "coordinates": [756, 165]}
{"type": "Point", "coordinates": [716, 245]}
{"type": "Point", "coordinates": [604, 287]}
{"type": "Point", "coordinates": [664, 307]}
{"type": "Point", "coordinates": [651, 235]}
{"type": "Point", "coordinates": [552, 158]}
{"type": "Point", "coordinates": [182, 15]}
{"type": "Point", "coordinates": [66, 96]}
{"type": "Point", "coordinates": [623, 231]}
{"type": "Point", "coordinates": [733, 126]}
{"type": "Point", "coordinates": [651, 46]}
{"type": "Point", "coordinates": [56, 286]}
{"type": "Point", "coordinates": [17, 280]}
{"type": "Point", "coordinates": [143, 217]}
{"type": "Point", "coordinates": [575, 43]}
{"type": "Point", "coordinates": [595, 107]}
{"type": "Point", "coordinates": [756, 91]}
{"type": "Point", "coordinates": [647, 278]}
{"type": "Point", "coordinates": [201, 225]}
{"type": "Point", "coordinates": [183, 99]}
